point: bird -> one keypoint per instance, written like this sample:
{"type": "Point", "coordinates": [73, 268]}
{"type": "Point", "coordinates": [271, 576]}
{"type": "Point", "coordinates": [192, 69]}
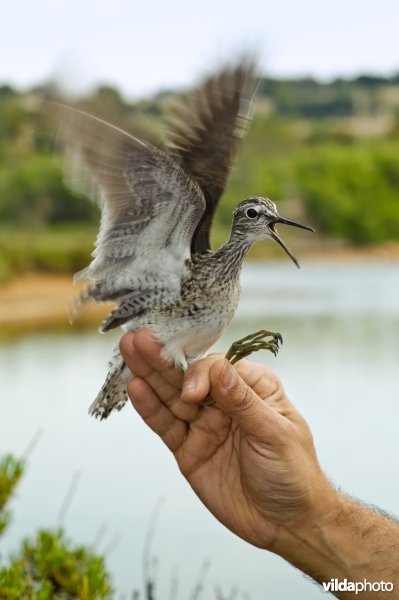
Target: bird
{"type": "Point", "coordinates": [153, 255]}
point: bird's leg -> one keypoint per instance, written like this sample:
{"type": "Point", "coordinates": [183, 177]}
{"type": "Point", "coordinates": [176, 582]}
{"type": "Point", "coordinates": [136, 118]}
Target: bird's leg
{"type": "Point", "coordinates": [253, 343]}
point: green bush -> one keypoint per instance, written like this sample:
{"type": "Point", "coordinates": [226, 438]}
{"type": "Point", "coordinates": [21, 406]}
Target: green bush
{"type": "Point", "coordinates": [347, 185]}
{"type": "Point", "coordinates": [32, 192]}
{"type": "Point", "coordinates": [349, 191]}
{"type": "Point", "coordinates": [56, 249]}
{"type": "Point", "coordinates": [50, 567]}
{"type": "Point", "coordinates": [10, 473]}
{"type": "Point", "coordinates": [352, 192]}
{"type": "Point", "coordinates": [47, 566]}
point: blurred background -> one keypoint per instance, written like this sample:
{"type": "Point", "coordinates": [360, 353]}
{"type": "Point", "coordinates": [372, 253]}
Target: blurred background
{"type": "Point", "coordinates": [324, 144]}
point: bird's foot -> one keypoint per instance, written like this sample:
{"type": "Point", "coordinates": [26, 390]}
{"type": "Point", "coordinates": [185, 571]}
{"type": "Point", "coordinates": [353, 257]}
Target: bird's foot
{"type": "Point", "coordinates": [254, 342]}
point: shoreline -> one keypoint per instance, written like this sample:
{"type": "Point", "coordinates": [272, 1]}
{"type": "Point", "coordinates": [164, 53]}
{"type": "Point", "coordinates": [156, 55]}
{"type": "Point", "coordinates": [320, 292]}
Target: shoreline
{"type": "Point", "coordinates": [38, 302]}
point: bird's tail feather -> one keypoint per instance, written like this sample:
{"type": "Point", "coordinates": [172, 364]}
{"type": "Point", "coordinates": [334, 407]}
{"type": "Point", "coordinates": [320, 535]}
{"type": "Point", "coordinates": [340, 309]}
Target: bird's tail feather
{"type": "Point", "coordinates": [113, 394]}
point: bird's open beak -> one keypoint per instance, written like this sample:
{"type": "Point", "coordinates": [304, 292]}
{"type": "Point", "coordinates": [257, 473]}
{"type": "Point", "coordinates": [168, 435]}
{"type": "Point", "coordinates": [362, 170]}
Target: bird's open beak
{"type": "Point", "coordinates": [275, 235]}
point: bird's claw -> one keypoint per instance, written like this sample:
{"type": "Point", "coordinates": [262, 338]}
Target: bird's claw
{"type": "Point", "coordinates": [254, 342]}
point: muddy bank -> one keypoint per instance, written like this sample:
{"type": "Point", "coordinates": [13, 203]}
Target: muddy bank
{"type": "Point", "coordinates": [38, 302]}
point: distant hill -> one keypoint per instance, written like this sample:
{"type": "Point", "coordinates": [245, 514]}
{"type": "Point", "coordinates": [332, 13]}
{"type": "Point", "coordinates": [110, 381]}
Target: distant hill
{"type": "Point", "coordinates": [310, 98]}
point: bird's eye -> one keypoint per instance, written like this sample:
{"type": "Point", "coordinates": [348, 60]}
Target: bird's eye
{"type": "Point", "coordinates": [252, 213]}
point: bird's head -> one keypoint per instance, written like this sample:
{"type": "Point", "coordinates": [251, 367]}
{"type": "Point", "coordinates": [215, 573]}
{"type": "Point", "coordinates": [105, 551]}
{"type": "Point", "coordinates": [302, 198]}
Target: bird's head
{"type": "Point", "coordinates": [257, 218]}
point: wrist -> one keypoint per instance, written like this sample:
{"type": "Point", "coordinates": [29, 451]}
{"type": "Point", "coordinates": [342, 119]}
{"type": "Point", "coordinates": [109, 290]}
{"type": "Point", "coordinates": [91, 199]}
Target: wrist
{"type": "Point", "coordinates": [344, 540]}
{"type": "Point", "coordinates": [310, 543]}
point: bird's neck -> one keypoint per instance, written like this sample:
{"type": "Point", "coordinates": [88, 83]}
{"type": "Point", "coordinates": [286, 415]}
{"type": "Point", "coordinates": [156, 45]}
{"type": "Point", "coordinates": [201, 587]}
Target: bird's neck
{"type": "Point", "coordinates": [231, 255]}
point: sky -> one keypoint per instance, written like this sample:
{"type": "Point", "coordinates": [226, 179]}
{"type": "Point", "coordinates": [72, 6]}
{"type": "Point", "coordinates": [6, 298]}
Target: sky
{"type": "Point", "coordinates": [146, 46]}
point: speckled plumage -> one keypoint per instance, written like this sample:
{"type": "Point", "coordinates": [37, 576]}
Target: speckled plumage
{"type": "Point", "coordinates": [153, 255]}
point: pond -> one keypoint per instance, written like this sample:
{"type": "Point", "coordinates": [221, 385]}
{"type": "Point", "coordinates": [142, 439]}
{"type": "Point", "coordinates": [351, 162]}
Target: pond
{"type": "Point", "coordinates": [339, 364]}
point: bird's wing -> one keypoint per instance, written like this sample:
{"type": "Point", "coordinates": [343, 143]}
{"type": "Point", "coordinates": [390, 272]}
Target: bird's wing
{"type": "Point", "coordinates": [205, 134]}
{"type": "Point", "coordinates": [150, 206]}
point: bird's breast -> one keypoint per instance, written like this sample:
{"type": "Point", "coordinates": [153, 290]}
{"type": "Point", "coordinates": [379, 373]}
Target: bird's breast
{"type": "Point", "coordinates": [199, 320]}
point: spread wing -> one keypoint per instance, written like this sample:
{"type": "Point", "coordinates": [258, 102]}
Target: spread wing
{"type": "Point", "coordinates": [205, 135]}
{"type": "Point", "coordinates": [150, 207]}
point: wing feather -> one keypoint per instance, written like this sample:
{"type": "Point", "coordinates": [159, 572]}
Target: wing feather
{"type": "Point", "coordinates": [204, 137]}
{"type": "Point", "coordinates": [150, 206]}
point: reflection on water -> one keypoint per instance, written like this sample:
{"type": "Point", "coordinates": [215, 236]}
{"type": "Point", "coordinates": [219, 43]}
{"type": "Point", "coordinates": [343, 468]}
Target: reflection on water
{"type": "Point", "coordinates": [339, 362]}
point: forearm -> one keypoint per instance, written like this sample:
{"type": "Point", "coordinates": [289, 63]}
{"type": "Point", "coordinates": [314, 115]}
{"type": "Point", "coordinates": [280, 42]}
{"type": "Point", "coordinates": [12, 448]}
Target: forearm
{"type": "Point", "coordinates": [352, 542]}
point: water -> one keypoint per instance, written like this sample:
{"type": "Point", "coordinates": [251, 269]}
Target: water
{"type": "Point", "coordinates": [339, 365]}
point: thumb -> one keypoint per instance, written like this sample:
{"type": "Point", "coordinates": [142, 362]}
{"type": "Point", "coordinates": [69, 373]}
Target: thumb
{"type": "Point", "coordinates": [240, 402]}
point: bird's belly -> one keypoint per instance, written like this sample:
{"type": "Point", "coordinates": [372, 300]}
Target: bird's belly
{"type": "Point", "coordinates": [186, 344]}
{"type": "Point", "coordinates": [187, 329]}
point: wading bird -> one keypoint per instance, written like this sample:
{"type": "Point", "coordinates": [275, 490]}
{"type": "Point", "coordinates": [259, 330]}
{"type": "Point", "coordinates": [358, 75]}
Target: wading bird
{"type": "Point", "coordinates": [153, 256]}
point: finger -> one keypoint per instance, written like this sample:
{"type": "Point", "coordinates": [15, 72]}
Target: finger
{"type": "Point", "coordinates": [148, 358]}
{"type": "Point", "coordinates": [142, 353]}
{"type": "Point", "coordinates": [157, 416]}
{"type": "Point", "coordinates": [260, 378]}
{"type": "Point", "coordinates": [265, 383]}
{"type": "Point", "coordinates": [165, 379]}
{"type": "Point", "coordinates": [208, 433]}
{"type": "Point", "coordinates": [196, 383]}
{"type": "Point", "coordinates": [136, 359]}
{"type": "Point", "coordinates": [241, 403]}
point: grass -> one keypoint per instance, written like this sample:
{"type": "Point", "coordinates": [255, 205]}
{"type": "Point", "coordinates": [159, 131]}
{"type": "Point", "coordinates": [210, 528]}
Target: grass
{"type": "Point", "coordinates": [56, 249]}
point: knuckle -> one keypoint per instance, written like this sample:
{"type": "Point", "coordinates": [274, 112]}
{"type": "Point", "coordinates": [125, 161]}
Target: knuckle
{"type": "Point", "coordinates": [210, 360]}
{"type": "Point", "coordinates": [203, 365]}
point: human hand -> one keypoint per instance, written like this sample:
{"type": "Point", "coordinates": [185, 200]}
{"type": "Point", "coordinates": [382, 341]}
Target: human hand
{"type": "Point", "coordinates": [249, 455]}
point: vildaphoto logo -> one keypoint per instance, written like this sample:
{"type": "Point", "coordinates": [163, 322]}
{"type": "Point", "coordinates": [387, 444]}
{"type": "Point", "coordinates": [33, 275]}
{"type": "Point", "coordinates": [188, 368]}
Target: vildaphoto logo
{"type": "Point", "coordinates": [336, 585]}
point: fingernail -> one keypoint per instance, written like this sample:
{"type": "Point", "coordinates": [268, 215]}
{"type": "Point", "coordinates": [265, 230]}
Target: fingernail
{"type": "Point", "coordinates": [228, 376]}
